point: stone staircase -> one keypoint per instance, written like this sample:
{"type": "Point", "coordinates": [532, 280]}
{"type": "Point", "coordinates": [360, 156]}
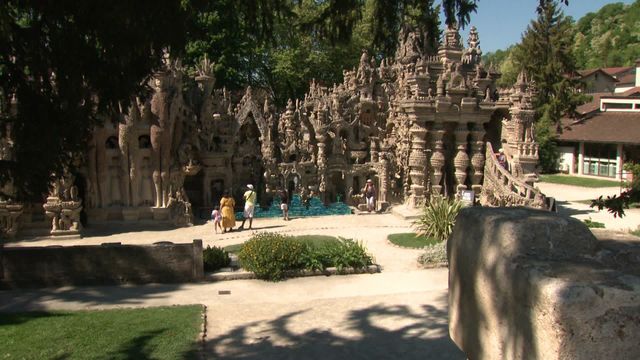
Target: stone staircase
{"type": "Point", "coordinates": [501, 188]}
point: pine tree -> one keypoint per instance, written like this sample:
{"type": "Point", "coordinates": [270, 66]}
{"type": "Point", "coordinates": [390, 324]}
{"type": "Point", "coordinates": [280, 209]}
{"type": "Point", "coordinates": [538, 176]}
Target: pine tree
{"type": "Point", "coordinates": [545, 55]}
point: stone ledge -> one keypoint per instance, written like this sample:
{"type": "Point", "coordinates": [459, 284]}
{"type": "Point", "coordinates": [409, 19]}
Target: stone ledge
{"type": "Point", "coordinates": [246, 275]}
{"type": "Point", "coordinates": [529, 284]}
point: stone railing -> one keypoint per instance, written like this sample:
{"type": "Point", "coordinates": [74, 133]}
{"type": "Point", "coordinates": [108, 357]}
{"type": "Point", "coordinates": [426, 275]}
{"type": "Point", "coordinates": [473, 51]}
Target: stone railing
{"type": "Point", "coordinates": [528, 149]}
{"type": "Point", "coordinates": [501, 188]}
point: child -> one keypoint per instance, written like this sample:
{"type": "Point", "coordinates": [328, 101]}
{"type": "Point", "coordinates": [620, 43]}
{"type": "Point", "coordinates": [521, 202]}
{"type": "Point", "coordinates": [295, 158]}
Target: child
{"type": "Point", "coordinates": [217, 219]}
{"type": "Point", "coordinates": [284, 206]}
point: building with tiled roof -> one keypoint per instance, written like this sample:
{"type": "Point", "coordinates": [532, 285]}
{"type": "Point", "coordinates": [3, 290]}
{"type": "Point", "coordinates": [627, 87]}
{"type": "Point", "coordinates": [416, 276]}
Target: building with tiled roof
{"type": "Point", "coordinates": [605, 133]}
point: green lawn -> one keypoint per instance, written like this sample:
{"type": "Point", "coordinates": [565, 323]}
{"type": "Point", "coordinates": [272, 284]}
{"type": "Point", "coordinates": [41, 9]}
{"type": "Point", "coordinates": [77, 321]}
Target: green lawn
{"type": "Point", "coordinates": [410, 240]}
{"type": "Point", "coordinates": [578, 181]}
{"type": "Point", "coordinates": [315, 240]}
{"type": "Point", "coordinates": [150, 333]}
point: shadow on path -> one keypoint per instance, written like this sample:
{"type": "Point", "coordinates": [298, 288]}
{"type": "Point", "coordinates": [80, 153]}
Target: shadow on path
{"type": "Point", "coordinates": [406, 334]}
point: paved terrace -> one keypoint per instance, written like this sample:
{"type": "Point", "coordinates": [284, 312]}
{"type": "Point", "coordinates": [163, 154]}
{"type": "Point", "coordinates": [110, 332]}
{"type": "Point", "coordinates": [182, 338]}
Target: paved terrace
{"type": "Point", "coordinates": [399, 313]}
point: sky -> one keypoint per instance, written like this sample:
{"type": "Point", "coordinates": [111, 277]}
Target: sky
{"type": "Point", "coordinates": [501, 23]}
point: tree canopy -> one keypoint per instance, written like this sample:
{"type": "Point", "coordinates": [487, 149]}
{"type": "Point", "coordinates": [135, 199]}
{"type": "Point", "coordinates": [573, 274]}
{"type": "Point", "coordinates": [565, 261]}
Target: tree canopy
{"type": "Point", "coordinates": [69, 64]}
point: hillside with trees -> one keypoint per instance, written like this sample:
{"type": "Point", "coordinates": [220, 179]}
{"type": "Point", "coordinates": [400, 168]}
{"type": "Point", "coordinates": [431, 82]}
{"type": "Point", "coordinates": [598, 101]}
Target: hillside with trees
{"type": "Point", "coordinates": [609, 37]}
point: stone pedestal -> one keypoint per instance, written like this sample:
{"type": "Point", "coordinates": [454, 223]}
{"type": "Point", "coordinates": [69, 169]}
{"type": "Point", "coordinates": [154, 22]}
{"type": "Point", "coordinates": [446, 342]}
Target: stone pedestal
{"type": "Point", "coordinates": [9, 214]}
{"type": "Point", "coordinates": [64, 215]}
{"type": "Point", "coordinates": [530, 284]}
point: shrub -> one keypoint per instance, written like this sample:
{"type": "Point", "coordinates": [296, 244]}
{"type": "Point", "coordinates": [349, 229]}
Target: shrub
{"type": "Point", "coordinates": [438, 217]}
{"type": "Point", "coordinates": [269, 255]}
{"type": "Point", "coordinates": [215, 258]}
{"type": "Point", "coordinates": [434, 255]}
{"type": "Point", "coordinates": [343, 254]}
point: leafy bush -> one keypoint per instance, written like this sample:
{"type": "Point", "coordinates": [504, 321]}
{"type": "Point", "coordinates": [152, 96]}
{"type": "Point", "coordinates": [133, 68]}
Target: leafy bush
{"type": "Point", "coordinates": [434, 255]}
{"type": "Point", "coordinates": [593, 224]}
{"type": "Point", "coordinates": [438, 217]}
{"type": "Point", "coordinates": [215, 258]}
{"type": "Point", "coordinates": [269, 255]}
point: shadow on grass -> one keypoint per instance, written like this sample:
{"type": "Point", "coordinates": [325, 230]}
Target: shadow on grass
{"type": "Point", "coordinates": [24, 317]}
{"type": "Point", "coordinates": [421, 334]}
{"type": "Point", "coordinates": [37, 299]}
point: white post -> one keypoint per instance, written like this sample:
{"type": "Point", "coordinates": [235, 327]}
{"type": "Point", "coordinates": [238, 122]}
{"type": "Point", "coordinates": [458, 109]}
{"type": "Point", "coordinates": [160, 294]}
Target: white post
{"type": "Point", "coordinates": [619, 162]}
{"type": "Point", "coordinates": [581, 159]}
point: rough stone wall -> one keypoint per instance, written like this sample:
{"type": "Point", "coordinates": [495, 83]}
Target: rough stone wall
{"type": "Point", "coordinates": [101, 265]}
{"type": "Point", "coordinates": [528, 284]}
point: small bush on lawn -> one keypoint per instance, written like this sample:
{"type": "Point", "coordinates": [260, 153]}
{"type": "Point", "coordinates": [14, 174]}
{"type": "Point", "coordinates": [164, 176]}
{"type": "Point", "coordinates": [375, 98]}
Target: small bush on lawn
{"type": "Point", "coordinates": [434, 255]}
{"type": "Point", "coordinates": [593, 224]}
{"type": "Point", "coordinates": [438, 217]}
{"type": "Point", "coordinates": [269, 255]}
{"type": "Point", "coordinates": [342, 254]}
{"type": "Point", "coordinates": [215, 258]}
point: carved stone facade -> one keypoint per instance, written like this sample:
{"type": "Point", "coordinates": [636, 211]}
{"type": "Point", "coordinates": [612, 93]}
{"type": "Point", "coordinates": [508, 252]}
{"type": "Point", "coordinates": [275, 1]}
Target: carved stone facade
{"type": "Point", "coordinates": [414, 124]}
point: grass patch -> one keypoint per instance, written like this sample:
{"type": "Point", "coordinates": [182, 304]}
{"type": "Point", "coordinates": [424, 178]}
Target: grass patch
{"type": "Point", "coordinates": [593, 224]}
{"type": "Point", "coordinates": [409, 240]}
{"type": "Point", "coordinates": [635, 232]}
{"type": "Point", "coordinates": [316, 241]}
{"type": "Point", "coordinates": [151, 333]}
{"type": "Point", "coordinates": [578, 181]}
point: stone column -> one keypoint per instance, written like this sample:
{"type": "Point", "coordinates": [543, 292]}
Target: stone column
{"type": "Point", "coordinates": [417, 163]}
{"type": "Point", "coordinates": [437, 158]}
{"type": "Point", "coordinates": [461, 161]}
{"type": "Point", "coordinates": [477, 157]}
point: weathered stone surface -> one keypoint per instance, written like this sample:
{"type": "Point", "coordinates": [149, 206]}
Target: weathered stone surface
{"type": "Point", "coordinates": [527, 284]}
{"type": "Point", "coordinates": [101, 265]}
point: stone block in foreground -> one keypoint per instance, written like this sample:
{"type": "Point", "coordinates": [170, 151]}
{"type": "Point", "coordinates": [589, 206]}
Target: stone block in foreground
{"type": "Point", "coordinates": [529, 284]}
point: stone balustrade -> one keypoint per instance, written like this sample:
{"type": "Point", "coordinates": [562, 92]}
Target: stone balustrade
{"type": "Point", "coordinates": [527, 149]}
{"type": "Point", "coordinates": [501, 188]}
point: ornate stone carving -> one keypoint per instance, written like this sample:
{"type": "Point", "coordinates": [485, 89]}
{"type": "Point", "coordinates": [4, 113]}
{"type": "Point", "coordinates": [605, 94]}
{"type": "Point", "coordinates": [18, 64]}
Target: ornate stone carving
{"type": "Point", "coordinates": [461, 161]}
{"type": "Point", "coordinates": [437, 158]}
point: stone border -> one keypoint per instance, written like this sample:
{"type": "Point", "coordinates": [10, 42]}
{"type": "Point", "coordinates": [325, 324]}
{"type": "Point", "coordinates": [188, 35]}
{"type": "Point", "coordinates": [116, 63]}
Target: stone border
{"type": "Point", "coordinates": [247, 275]}
{"type": "Point", "coordinates": [202, 336]}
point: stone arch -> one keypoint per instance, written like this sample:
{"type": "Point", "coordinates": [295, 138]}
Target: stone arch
{"type": "Point", "coordinates": [251, 109]}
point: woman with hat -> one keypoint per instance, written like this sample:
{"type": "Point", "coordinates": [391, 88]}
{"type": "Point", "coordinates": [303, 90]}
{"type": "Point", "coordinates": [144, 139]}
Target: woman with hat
{"type": "Point", "coordinates": [370, 194]}
{"type": "Point", "coordinates": [226, 208]}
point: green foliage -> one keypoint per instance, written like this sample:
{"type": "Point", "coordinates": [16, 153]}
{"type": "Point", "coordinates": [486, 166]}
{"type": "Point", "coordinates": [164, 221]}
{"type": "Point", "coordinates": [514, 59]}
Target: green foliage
{"type": "Point", "coordinates": [269, 255]}
{"type": "Point", "coordinates": [65, 62]}
{"type": "Point", "coordinates": [593, 224]}
{"type": "Point", "coordinates": [434, 255]}
{"type": "Point", "coordinates": [608, 37]}
{"type": "Point", "coordinates": [410, 240]}
{"type": "Point", "coordinates": [549, 154]}
{"type": "Point", "coordinates": [437, 218]}
{"type": "Point", "coordinates": [616, 204]}
{"type": "Point", "coordinates": [215, 258]}
{"type": "Point", "coordinates": [148, 333]}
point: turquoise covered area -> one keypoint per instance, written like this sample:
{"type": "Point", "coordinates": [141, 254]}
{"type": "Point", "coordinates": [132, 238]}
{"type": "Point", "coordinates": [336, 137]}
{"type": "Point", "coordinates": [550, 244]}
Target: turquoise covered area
{"type": "Point", "coordinates": [298, 209]}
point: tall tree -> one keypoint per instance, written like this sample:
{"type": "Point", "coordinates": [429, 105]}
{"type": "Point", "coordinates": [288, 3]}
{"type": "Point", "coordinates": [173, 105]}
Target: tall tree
{"type": "Point", "coordinates": [545, 55]}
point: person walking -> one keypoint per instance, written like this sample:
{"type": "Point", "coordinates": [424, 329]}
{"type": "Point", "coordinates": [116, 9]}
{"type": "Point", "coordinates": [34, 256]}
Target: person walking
{"type": "Point", "coordinates": [217, 219]}
{"type": "Point", "coordinates": [226, 208]}
{"type": "Point", "coordinates": [250, 197]}
{"type": "Point", "coordinates": [502, 159]}
{"type": "Point", "coordinates": [284, 206]}
{"type": "Point", "coordinates": [370, 195]}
